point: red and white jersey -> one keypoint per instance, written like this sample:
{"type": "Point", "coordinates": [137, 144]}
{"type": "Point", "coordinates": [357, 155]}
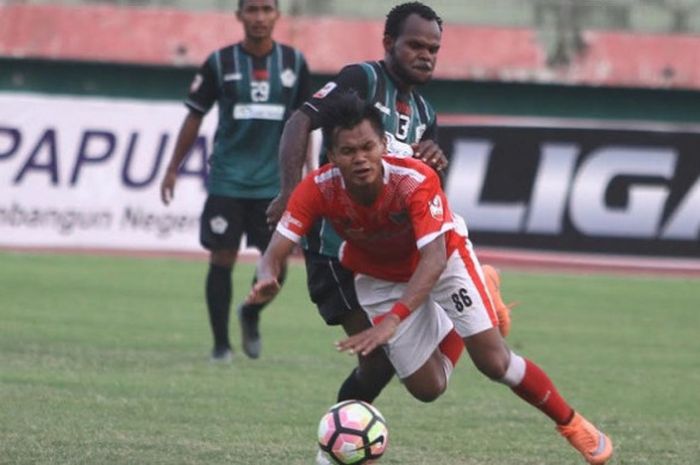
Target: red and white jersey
{"type": "Point", "coordinates": [381, 240]}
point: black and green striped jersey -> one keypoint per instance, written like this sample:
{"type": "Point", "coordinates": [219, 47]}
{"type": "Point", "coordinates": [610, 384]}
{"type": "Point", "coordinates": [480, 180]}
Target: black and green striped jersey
{"type": "Point", "coordinates": [255, 96]}
{"type": "Point", "coordinates": [407, 117]}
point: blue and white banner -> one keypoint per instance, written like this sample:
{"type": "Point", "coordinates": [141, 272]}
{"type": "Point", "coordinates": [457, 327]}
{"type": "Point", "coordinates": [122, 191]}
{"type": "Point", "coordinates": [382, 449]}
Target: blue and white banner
{"type": "Point", "coordinates": [85, 172]}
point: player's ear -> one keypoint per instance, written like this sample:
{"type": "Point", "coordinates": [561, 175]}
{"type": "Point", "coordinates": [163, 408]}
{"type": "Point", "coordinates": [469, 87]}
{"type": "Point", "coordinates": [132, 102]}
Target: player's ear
{"type": "Point", "coordinates": [388, 43]}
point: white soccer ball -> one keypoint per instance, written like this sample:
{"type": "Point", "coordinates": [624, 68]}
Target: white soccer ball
{"type": "Point", "coordinates": [351, 432]}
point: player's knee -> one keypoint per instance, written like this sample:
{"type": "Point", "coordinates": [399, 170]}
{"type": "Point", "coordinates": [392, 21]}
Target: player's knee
{"type": "Point", "coordinates": [494, 366]}
{"type": "Point", "coordinates": [223, 257]}
{"type": "Point", "coordinates": [429, 392]}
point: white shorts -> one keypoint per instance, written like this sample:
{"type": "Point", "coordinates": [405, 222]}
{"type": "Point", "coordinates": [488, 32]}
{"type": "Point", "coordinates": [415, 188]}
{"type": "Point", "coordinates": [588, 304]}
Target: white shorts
{"type": "Point", "coordinates": [461, 291]}
{"type": "Point", "coordinates": [417, 336]}
{"type": "Point", "coordinates": [459, 299]}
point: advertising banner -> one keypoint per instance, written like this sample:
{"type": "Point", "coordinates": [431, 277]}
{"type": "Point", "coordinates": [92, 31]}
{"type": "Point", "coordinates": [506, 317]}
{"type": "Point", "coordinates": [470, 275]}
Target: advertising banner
{"type": "Point", "coordinates": [85, 172]}
{"type": "Point", "coordinates": [627, 191]}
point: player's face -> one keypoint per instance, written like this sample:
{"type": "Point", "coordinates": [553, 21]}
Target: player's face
{"type": "Point", "coordinates": [258, 18]}
{"type": "Point", "coordinates": [357, 153]}
{"type": "Point", "coordinates": [413, 54]}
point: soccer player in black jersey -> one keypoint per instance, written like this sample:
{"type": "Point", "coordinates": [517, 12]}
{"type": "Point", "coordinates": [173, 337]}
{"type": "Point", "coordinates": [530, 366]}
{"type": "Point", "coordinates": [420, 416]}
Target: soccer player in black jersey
{"type": "Point", "coordinates": [257, 83]}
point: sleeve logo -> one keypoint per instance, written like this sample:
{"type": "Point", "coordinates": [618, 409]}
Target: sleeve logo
{"type": "Point", "coordinates": [436, 210]}
{"type": "Point", "coordinates": [288, 220]}
{"type": "Point", "coordinates": [325, 90]}
{"type": "Point", "coordinates": [196, 83]}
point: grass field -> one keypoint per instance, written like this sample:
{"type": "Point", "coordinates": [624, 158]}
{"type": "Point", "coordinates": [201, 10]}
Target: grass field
{"type": "Point", "coordinates": [105, 361]}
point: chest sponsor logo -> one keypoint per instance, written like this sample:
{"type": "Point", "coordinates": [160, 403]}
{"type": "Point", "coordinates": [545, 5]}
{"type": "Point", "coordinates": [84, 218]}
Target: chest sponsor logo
{"type": "Point", "coordinates": [265, 111]}
{"type": "Point", "coordinates": [397, 148]}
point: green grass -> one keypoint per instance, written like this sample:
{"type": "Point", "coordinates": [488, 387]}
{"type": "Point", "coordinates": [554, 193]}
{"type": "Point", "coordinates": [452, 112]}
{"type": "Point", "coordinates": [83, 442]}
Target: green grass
{"type": "Point", "coordinates": [105, 361]}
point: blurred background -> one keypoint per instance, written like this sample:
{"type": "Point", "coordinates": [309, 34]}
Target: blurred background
{"type": "Point", "coordinates": [571, 124]}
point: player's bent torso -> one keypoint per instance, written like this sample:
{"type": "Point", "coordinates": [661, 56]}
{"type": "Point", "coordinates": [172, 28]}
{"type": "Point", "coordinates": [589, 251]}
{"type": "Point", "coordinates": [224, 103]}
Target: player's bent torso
{"type": "Point", "coordinates": [255, 97]}
{"type": "Point", "coordinates": [382, 239]}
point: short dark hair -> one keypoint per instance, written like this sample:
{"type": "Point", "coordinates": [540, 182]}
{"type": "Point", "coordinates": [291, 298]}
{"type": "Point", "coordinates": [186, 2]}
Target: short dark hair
{"type": "Point", "coordinates": [345, 111]}
{"type": "Point", "coordinates": [242, 2]}
{"type": "Point", "coordinates": [397, 16]}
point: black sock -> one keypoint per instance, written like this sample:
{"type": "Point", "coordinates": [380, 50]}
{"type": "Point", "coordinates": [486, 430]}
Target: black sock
{"type": "Point", "coordinates": [352, 388]}
{"type": "Point", "coordinates": [218, 292]}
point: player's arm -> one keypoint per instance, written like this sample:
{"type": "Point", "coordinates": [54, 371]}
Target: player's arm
{"type": "Point", "coordinates": [185, 138]}
{"type": "Point", "coordinates": [202, 95]}
{"type": "Point", "coordinates": [269, 268]}
{"type": "Point", "coordinates": [294, 143]}
{"type": "Point", "coordinates": [430, 266]}
{"type": "Point", "coordinates": [305, 205]}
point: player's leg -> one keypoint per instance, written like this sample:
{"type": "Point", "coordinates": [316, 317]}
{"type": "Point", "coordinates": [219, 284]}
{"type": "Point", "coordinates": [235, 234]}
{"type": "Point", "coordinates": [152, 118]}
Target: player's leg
{"type": "Point", "coordinates": [462, 291]}
{"type": "Point", "coordinates": [373, 371]}
{"type": "Point", "coordinates": [331, 287]}
{"type": "Point", "coordinates": [258, 235]}
{"type": "Point", "coordinates": [424, 349]}
{"type": "Point", "coordinates": [493, 358]}
{"type": "Point", "coordinates": [221, 237]}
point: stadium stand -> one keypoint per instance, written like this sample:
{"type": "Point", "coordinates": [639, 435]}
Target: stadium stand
{"type": "Point", "coordinates": [583, 49]}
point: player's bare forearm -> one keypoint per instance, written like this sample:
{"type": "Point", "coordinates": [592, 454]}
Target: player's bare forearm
{"type": "Point", "coordinates": [185, 138]}
{"type": "Point", "coordinates": [269, 268]}
{"type": "Point", "coordinates": [430, 266]}
{"type": "Point", "coordinates": [294, 144]}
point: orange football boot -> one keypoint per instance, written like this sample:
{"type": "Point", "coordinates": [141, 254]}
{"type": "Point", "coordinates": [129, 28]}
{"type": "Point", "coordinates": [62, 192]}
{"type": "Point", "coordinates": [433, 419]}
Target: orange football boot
{"type": "Point", "coordinates": [493, 283]}
{"type": "Point", "coordinates": [595, 446]}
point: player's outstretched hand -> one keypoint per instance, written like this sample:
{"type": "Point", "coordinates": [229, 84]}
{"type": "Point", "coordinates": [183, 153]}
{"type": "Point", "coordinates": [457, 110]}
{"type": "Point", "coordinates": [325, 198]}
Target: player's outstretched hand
{"type": "Point", "coordinates": [276, 209]}
{"type": "Point", "coordinates": [167, 187]}
{"type": "Point", "coordinates": [263, 291]}
{"type": "Point", "coordinates": [431, 154]}
{"type": "Point", "coordinates": [366, 341]}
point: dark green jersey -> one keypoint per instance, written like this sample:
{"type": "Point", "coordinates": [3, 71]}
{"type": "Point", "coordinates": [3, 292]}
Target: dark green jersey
{"type": "Point", "coordinates": [407, 118]}
{"type": "Point", "coordinates": [255, 96]}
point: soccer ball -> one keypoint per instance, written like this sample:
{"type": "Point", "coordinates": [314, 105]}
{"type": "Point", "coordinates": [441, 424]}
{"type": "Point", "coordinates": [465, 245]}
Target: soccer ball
{"type": "Point", "coordinates": [351, 432]}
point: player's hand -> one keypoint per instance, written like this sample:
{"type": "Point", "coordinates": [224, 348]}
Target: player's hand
{"type": "Point", "coordinates": [167, 187]}
{"type": "Point", "coordinates": [366, 341]}
{"type": "Point", "coordinates": [430, 153]}
{"type": "Point", "coordinates": [276, 209]}
{"type": "Point", "coordinates": [263, 291]}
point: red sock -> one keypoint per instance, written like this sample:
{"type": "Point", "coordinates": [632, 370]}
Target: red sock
{"type": "Point", "coordinates": [537, 389]}
{"type": "Point", "coordinates": [452, 347]}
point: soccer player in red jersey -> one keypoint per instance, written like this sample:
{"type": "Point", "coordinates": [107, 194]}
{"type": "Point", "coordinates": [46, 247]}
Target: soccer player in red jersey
{"type": "Point", "coordinates": [416, 275]}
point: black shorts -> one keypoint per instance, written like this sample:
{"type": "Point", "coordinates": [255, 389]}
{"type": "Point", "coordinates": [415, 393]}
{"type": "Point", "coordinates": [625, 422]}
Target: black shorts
{"type": "Point", "coordinates": [225, 219]}
{"type": "Point", "coordinates": [331, 287]}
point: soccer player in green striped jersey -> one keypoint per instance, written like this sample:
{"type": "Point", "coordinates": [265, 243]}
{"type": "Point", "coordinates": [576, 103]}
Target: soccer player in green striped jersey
{"type": "Point", "coordinates": [256, 84]}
